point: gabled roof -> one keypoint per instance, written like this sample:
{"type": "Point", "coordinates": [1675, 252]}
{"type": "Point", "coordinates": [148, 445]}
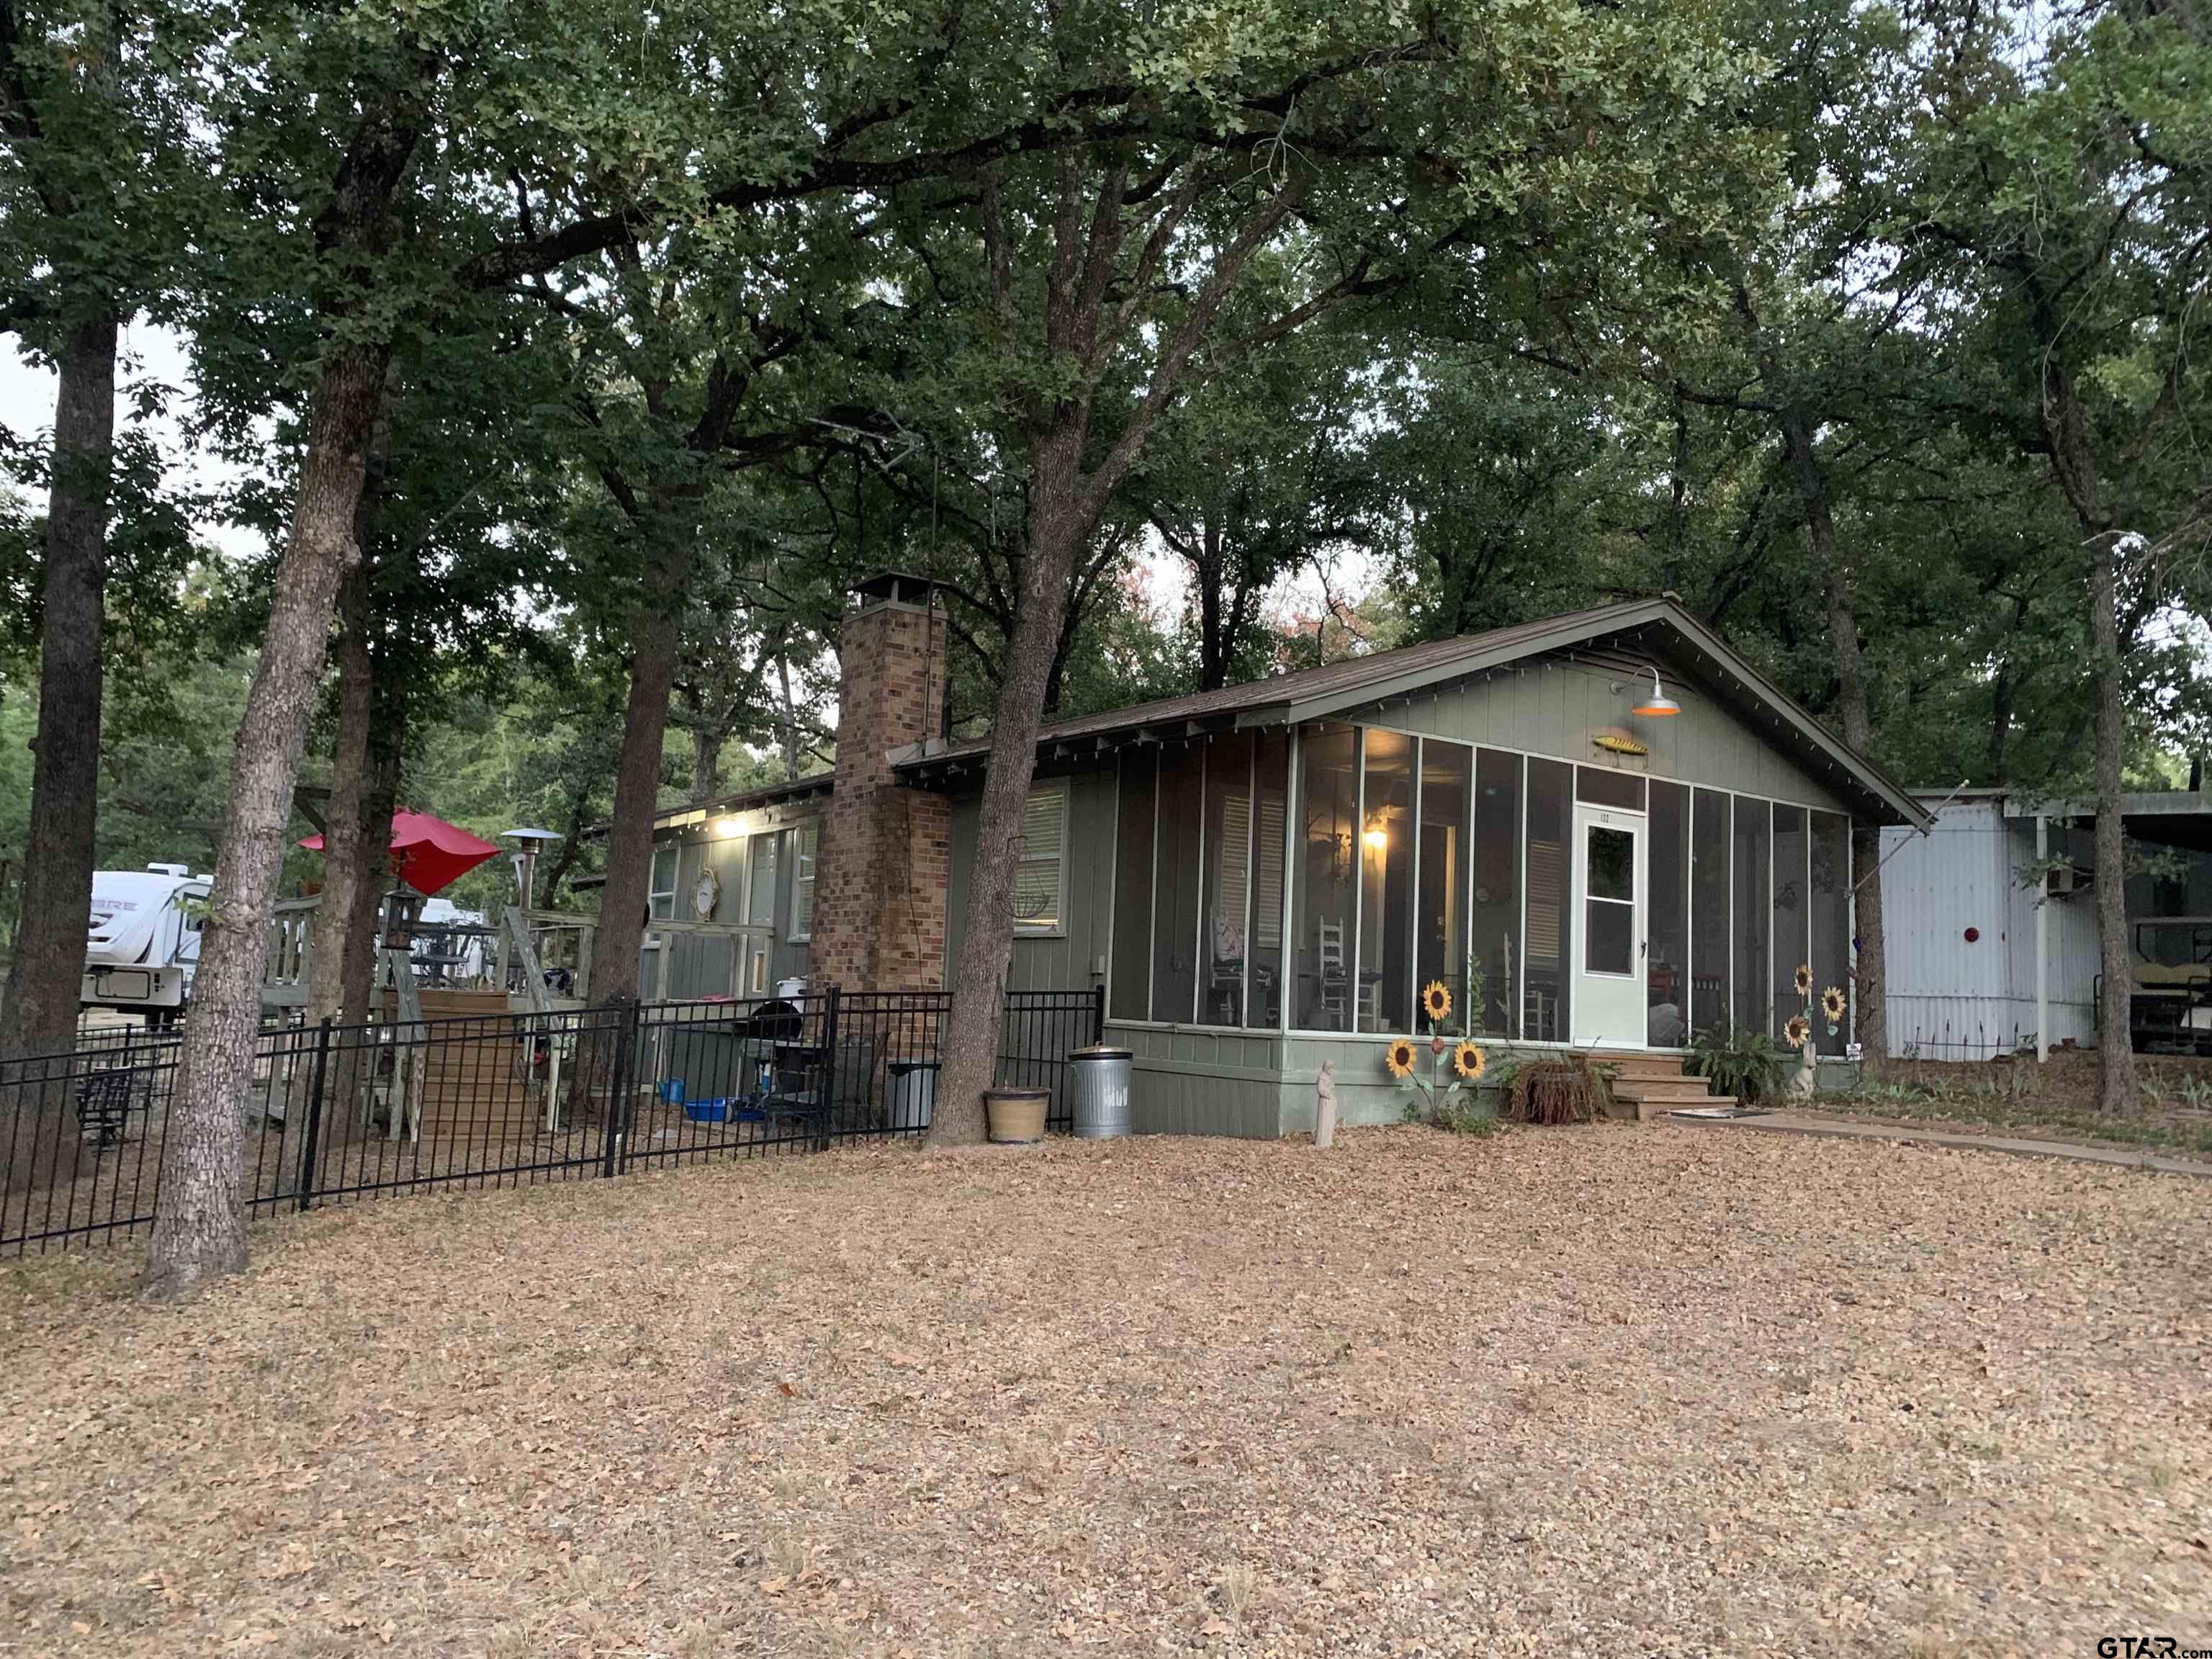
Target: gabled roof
{"type": "Point", "coordinates": [1357, 682]}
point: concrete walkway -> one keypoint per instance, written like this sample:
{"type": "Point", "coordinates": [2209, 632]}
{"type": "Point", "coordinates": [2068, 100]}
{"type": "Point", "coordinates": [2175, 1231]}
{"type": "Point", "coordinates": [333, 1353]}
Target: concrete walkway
{"type": "Point", "coordinates": [1845, 1128]}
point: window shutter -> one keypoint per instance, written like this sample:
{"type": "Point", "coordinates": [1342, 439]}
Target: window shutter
{"type": "Point", "coordinates": [1233, 864]}
{"type": "Point", "coordinates": [1544, 872]}
{"type": "Point", "coordinates": [1267, 901]}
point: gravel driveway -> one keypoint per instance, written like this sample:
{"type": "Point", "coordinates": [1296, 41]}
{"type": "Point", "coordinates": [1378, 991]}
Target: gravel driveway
{"type": "Point", "coordinates": [1618, 1389]}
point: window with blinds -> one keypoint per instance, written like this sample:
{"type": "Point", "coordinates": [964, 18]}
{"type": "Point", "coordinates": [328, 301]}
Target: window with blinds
{"type": "Point", "coordinates": [661, 896]}
{"type": "Point", "coordinates": [802, 882]}
{"type": "Point", "coordinates": [1039, 902]}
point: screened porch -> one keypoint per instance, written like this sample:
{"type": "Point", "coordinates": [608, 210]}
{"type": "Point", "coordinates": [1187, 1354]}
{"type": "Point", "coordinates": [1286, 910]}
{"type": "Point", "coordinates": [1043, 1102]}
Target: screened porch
{"type": "Point", "coordinates": [1312, 880]}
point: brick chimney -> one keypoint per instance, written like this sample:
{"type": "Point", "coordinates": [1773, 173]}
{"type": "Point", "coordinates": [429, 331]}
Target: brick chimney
{"type": "Point", "coordinates": [884, 855]}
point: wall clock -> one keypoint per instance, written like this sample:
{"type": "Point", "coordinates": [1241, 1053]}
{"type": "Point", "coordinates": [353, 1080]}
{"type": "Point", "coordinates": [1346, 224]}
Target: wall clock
{"type": "Point", "coordinates": [705, 893]}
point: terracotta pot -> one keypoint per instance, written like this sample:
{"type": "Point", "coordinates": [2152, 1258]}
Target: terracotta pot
{"type": "Point", "coordinates": [1015, 1117]}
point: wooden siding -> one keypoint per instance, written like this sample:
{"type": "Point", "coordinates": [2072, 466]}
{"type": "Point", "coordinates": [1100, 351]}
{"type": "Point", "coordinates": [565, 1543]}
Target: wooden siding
{"type": "Point", "coordinates": [1553, 707]}
{"type": "Point", "coordinates": [706, 964]}
{"type": "Point", "coordinates": [1202, 1083]}
{"type": "Point", "coordinates": [1064, 961]}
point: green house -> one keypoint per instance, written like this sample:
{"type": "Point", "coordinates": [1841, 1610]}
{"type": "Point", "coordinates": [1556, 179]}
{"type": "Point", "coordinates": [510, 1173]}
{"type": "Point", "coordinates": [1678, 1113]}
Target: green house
{"type": "Point", "coordinates": [1601, 830]}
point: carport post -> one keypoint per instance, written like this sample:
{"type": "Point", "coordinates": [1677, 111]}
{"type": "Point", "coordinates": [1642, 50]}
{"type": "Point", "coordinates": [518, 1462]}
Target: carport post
{"type": "Point", "coordinates": [2042, 940]}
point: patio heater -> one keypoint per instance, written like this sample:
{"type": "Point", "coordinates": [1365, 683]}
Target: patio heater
{"type": "Point", "coordinates": [525, 857]}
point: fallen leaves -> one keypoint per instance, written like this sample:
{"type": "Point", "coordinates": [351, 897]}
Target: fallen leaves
{"type": "Point", "coordinates": [1618, 1389]}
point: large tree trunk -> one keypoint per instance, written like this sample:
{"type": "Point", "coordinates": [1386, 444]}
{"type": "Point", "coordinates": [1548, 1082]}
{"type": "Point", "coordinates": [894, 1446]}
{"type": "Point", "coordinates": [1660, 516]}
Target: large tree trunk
{"type": "Point", "coordinates": [47, 975]}
{"type": "Point", "coordinates": [2073, 462]}
{"type": "Point", "coordinates": [200, 1228]}
{"type": "Point", "coordinates": [656, 634]}
{"type": "Point", "coordinates": [199, 1225]}
{"type": "Point", "coordinates": [787, 722]}
{"type": "Point", "coordinates": [354, 978]}
{"type": "Point", "coordinates": [354, 850]}
{"type": "Point", "coordinates": [2116, 1059]}
{"type": "Point", "coordinates": [345, 867]}
{"type": "Point", "coordinates": [1871, 967]}
{"type": "Point", "coordinates": [1057, 529]}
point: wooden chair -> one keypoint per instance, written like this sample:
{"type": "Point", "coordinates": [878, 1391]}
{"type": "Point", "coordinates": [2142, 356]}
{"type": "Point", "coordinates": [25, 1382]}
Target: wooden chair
{"type": "Point", "coordinates": [1335, 986]}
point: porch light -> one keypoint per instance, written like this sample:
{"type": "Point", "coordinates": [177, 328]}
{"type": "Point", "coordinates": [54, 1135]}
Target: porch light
{"type": "Point", "coordinates": [1658, 705]}
{"type": "Point", "coordinates": [1377, 837]}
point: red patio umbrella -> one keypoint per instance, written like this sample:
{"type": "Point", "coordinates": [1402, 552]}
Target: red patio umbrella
{"type": "Point", "coordinates": [428, 852]}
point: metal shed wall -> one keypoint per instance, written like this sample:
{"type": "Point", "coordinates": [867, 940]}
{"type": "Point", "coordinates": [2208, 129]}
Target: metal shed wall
{"type": "Point", "coordinates": [1955, 999]}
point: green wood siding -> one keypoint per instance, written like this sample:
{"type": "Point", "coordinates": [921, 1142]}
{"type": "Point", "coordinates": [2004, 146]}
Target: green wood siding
{"type": "Point", "coordinates": [1202, 1083]}
{"type": "Point", "coordinates": [1064, 961]}
{"type": "Point", "coordinates": [1553, 707]}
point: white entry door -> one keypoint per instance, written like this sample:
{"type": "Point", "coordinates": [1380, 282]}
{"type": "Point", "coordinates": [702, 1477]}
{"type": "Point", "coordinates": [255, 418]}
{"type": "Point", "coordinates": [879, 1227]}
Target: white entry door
{"type": "Point", "coordinates": [1607, 1004]}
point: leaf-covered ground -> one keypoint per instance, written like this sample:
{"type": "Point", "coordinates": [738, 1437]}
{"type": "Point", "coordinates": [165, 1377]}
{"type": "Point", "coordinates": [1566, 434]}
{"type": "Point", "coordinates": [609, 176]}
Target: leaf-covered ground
{"type": "Point", "coordinates": [1644, 1389]}
{"type": "Point", "coordinates": [2054, 1101]}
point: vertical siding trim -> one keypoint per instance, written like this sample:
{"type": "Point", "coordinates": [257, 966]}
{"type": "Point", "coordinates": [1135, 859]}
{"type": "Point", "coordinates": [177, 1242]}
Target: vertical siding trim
{"type": "Point", "coordinates": [1294, 822]}
{"type": "Point", "coordinates": [1467, 861]}
{"type": "Point", "coordinates": [1851, 922]}
{"type": "Point", "coordinates": [1358, 865]}
{"type": "Point", "coordinates": [1251, 869]}
{"type": "Point", "coordinates": [1198, 953]}
{"type": "Point", "coordinates": [1152, 932]}
{"type": "Point", "coordinates": [1773, 807]}
{"type": "Point", "coordinates": [1114, 880]}
{"type": "Point", "coordinates": [1520, 937]}
{"type": "Point", "coordinates": [1413, 899]}
{"type": "Point", "coordinates": [1806, 813]}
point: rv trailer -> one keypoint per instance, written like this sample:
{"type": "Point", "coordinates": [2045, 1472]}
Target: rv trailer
{"type": "Point", "coordinates": [144, 943]}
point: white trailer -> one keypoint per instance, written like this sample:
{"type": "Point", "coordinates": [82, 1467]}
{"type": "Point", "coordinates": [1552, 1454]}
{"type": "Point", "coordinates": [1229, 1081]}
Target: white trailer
{"type": "Point", "coordinates": [144, 943]}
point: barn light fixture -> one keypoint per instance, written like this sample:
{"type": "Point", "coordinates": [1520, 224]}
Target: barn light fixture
{"type": "Point", "coordinates": [1658, 705]}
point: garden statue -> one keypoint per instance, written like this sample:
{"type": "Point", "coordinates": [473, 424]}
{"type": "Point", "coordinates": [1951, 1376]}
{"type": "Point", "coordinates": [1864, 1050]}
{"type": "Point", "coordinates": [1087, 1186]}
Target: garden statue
{"type": "Point", "coordinates": [1325, 1105]}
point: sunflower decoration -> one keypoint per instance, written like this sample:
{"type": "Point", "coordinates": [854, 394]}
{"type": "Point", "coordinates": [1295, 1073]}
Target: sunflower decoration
{"type": "Point", "coordinates": [1832, 1003]}
{"type": "Point", "coordinates": [1798, 1032]}
{"type": "Point", "coordinates": [1804, 980]}
{"type": "Point", "coordinates": [1398, 1058]}
{"type": "Point", "coordinates": [1435, 1001]}
{"type": "Point", "coordinates": [1468, 1060]}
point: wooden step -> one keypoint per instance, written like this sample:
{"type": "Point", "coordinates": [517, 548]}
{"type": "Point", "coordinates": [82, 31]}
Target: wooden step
{"type": "Point", "coordinates": [1632, 1067]}
{"type": "Point", "coordinates": [1676, 1090]}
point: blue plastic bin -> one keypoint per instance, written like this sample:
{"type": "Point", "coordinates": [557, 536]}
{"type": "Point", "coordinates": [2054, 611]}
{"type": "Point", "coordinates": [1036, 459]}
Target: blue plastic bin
{"type": "Point", "coordinates": [671, 1091]}
{"type": "Point", "coordinates": [707, 1111]}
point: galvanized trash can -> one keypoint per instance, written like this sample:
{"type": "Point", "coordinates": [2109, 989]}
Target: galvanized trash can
{"type": "Point", "coordinates": [1098, 1081]}
{"type": "Point", "coordinates": [913, 1093]}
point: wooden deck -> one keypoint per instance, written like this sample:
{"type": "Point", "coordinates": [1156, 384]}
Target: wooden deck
{"type": "Point", "coordinates": [473, 1086]}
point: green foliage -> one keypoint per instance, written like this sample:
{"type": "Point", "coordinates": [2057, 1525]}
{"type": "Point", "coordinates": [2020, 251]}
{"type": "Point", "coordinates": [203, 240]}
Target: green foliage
{"type": "Point", "coordinates": [1738, 1060]}
{"type": "Point", "coordinates": [1455, 1113]}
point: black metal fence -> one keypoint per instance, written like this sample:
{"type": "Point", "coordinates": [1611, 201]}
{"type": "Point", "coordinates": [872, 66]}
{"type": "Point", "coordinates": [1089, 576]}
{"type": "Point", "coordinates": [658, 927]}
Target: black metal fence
{"type": "Point", "coordinates": [336, 1113]}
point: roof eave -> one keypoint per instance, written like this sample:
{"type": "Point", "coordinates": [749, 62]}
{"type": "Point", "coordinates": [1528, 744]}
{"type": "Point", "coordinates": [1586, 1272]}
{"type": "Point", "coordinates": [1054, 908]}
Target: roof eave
{"type": "Point", "coordinates": [1860, 774]}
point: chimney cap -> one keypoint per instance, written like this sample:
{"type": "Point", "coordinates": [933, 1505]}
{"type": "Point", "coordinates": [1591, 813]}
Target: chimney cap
{"type": "Point", "coordinates": [895, 588]}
